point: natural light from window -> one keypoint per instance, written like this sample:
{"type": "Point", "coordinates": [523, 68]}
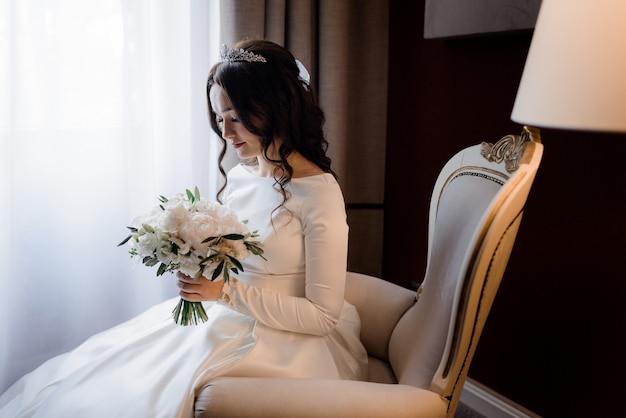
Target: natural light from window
{"type": "Point", "coordinates": [102, 108]}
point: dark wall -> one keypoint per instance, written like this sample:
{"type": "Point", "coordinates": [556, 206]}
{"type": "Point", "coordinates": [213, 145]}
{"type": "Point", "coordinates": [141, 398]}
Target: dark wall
{"type": "Point", "coordinates": [554, 340]}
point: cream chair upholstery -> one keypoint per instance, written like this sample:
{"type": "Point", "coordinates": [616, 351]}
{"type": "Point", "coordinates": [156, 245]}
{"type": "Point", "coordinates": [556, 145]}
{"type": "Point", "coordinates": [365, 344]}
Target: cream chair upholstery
{"type": "Point", "coordinates": [420, 348]}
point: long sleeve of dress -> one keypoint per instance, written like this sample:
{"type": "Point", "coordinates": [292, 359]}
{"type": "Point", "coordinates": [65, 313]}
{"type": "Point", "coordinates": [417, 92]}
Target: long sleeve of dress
{"type": "Point", "coordinates": [321, 214]}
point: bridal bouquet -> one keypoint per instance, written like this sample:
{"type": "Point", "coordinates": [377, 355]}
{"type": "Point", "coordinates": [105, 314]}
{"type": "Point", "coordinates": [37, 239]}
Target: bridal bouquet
{"type": "Point", "coordinates": [194, 236]}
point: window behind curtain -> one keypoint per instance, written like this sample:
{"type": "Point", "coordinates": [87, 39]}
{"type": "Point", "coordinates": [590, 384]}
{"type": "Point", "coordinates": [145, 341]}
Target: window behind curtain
{"type": "Point", "coordinates": [102, 109]}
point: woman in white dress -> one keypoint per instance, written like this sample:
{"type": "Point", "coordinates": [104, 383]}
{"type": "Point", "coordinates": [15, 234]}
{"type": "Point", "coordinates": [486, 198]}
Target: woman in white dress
{"type": "Point", "coordinates": [283, 316]}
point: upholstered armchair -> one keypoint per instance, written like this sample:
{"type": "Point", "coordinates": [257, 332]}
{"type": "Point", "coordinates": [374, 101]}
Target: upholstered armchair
{"type": "Point", "coordinates": [420, 344]}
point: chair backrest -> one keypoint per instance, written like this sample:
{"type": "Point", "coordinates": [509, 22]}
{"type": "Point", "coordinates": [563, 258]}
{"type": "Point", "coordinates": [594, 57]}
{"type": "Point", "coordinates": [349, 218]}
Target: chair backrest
{"type": "Point", "coordinates": [476, 208]}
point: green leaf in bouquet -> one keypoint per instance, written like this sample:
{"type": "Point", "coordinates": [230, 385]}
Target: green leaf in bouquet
{"type": "Point", "coordinates": [233, 237]}
{"type": "Point", "coordinates": [237, 264]}
{"type": "Point", "coordinates": [125, 240]}
{"type": "Point", "coordinates": [190, 196]}
{"type": "Point", "coordinates": [217, 271]}
{"type": "Point", "coordinates": [150, 261]}
{"type": "Point", "coordinates": [255, 249]}
{"type": "Point", "coordinates": [133, 230]}
{"type": "Point", "coordinates": [198, 274]}
{"type": "Point", "coordinates": [212, 258]}
{"type": "Point", "coordinates": [148, 228]}
{"type": "Point", "coordinates": [162, 269]}
{"type": "Point", "coordinates": [196, 193]}
{"type": "Point", "coordinates": [209, 239]}
{"type": "Point", "coordinates": [163, 199]}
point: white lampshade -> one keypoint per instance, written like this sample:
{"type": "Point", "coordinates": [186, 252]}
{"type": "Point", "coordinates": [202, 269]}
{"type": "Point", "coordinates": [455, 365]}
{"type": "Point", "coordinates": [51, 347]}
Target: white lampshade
{"type": "Point", "coordinates": [575, 73]}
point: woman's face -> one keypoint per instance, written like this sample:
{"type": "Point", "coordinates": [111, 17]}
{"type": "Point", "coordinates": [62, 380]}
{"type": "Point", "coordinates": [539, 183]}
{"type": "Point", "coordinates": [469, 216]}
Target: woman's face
{"type": "Point", "coordinates": [245, 143]}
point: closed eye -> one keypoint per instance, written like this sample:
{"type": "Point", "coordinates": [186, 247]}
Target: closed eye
{"type": "Point", "coordinates": [221, 120]}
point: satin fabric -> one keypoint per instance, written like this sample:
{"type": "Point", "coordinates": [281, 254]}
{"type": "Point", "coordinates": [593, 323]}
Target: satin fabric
{"type": "Point", "coordinates": [285, 316]}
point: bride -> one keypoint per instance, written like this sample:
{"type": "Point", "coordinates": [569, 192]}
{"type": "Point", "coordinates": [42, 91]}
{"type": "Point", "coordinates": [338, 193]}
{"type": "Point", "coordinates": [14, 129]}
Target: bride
{"type": "Point", "coordinates": [285, 315]}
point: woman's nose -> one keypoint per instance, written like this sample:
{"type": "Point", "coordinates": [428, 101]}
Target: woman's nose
{"type": "Point", "coordinates": [227, 130]}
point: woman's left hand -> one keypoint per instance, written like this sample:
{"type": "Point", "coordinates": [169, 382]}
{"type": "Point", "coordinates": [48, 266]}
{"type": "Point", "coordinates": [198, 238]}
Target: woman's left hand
{"type": "Point", "coordinates": [198, 290]}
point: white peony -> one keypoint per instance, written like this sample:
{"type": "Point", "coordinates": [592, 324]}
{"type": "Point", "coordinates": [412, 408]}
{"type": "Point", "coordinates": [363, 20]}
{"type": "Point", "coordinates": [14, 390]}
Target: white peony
{"type": "Point", "coordinates": [147, 242]}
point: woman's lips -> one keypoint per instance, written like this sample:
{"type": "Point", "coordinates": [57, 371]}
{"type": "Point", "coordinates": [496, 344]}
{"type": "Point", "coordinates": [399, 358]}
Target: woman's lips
{"type": "Point", "coordinates": [238, 144]}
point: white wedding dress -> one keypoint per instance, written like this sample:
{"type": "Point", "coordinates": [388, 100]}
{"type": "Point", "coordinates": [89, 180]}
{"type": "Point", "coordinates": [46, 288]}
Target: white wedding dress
{"type": "Point", "coordinates": [151, 367]}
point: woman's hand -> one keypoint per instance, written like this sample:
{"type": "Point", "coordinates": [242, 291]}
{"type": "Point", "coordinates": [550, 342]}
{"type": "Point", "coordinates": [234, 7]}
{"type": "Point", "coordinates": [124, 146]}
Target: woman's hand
{"type": "Point", "coordinates": [198, 290]}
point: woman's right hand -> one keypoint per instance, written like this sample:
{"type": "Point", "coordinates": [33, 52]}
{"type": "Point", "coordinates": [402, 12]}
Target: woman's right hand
{"type": "Point", "coordinates": [198, 290]}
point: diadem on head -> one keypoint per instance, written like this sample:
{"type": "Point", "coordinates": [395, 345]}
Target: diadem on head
{"type": "Point", "coordinates": [239, 55]}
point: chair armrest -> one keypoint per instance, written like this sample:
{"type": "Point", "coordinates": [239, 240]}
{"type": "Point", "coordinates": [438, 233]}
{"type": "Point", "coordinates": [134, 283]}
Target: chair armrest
{"type": "Point", "coordinates": [290, 397]}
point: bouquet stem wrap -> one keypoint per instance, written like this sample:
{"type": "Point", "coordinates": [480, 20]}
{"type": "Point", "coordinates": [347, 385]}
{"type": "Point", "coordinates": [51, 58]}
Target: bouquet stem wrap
{"type": "Point", "coordinates": [202, 239]}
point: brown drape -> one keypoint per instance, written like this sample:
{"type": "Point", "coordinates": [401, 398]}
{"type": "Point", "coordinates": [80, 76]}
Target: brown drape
{"type": "Point", "coordinates": [343, 44]}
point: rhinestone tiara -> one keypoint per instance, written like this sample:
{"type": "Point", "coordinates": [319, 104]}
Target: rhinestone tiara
{"type": "Point", "coordinates": [238, 55]}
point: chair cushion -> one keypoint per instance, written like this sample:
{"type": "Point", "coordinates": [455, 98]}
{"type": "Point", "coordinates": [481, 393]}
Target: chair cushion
{"type": "Point", "coordinates": [380, 305]}
{"type": "Point", "coordinates": [379, 371]}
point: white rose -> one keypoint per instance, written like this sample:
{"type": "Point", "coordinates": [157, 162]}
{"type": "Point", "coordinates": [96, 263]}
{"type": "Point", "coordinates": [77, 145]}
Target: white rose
{"type": "Point", "coordinates": [147, 243]}
{"type": "Point", "coordinates": [165, 253]}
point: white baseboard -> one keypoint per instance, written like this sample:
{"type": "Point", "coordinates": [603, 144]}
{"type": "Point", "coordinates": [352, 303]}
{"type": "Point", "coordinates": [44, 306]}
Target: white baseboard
{"type": "Point", "coordinates": [491, 404]}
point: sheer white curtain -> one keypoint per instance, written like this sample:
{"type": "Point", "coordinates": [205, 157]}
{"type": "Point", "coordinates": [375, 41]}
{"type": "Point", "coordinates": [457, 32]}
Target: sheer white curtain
{"type": "Point", "coordinates": [102, 108]}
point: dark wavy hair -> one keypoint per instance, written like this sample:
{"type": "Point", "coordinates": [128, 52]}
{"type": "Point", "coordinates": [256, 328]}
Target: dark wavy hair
{"type": "Point", "coordinates": [281, 105]}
